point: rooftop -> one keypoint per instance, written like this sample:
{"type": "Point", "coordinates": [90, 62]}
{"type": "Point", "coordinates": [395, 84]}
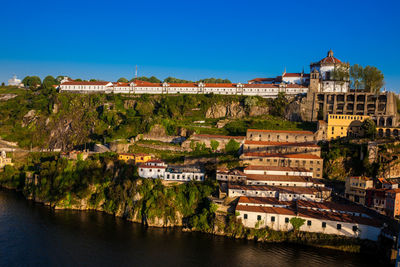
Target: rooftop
{"type": "Point", "coordinates": [275, 168]}
{"type": "Point", "coordinates": [276, 155]}
{"type": "Point", "coordinates": [272, 143]}
{"type": "Point", "coordinates": [281, 131]}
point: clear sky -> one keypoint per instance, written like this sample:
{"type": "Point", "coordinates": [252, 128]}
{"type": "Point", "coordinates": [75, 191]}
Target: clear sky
{"type": "Point", "coordinates": [238, 40]}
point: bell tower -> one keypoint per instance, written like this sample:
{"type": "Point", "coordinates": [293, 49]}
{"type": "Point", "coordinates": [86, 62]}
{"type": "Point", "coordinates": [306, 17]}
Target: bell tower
{"type": "Point", "coordinates": [314, 82]}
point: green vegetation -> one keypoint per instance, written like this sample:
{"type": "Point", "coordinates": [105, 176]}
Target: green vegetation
{"type": "Point", "coordinates": [45, 119]}
{"type": "Point", "coordinates": [104, 183]}
{"type": "Point", "coordinates": [369, 128]}
{"type": "Point", "coordinates": [297, 222]}
{"type": "Point", "coordinates": [343, 158]}
{"type": "Point", "coordinates": [369, 78]}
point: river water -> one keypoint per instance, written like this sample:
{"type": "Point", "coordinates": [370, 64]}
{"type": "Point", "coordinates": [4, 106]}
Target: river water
{"type": "Point", "coordinates": [34, 235]}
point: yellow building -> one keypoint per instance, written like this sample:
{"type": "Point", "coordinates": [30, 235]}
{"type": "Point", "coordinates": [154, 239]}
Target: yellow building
{"type": "Point", "coordinates": [136, 158]}
{"type": "Point", "coordinates": [4, 160]}
{"type": "Point", "coordinates": [142, 158]}
{"type": "Point", "coordinates": [340, 125]}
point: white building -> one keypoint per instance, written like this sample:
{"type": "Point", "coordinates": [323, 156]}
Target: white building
{"type": "Point", "coordinates": [141, 87]}
{"type": "Point", "coordinates": [152, 169]}
{"type": "Point", "coordinates": [278, 218]}
{"type": "Point", "coordinates": [326, 68]}
{"type": "Point", "coordinates": [282, 180]}
{"type": "Point", "coordinates": [157, 169]}
{"type": "Point", "coordinates": [183, 174]}
{"type": "Point", "coordinates": [277, 170]}
{"type": "Point", "coordinates": [73, 86]}
{"type": "Point", "coordinates": [15, 82]}
{"type": "Point", "coordinates": [280, 191]}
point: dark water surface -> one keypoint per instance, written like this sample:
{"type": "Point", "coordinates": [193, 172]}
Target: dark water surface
{"type": "Point", "coordinates": [33, 235]}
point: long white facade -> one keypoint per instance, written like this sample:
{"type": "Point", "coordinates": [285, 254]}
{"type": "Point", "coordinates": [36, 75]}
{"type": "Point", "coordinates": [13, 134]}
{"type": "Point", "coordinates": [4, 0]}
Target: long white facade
{"type": "Point", "coordinates": [140, 87]}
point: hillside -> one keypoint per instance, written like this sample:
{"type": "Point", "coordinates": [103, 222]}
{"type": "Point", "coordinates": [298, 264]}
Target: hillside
{"type": "Point", "coordinates": [47, 119]}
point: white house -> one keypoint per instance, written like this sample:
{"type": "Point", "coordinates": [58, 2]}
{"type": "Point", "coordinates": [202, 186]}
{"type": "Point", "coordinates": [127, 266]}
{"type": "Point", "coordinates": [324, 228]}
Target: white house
{"type": "Point", "coordinates": [74, 86]}
{"type": "Point", "coordinates": [152, 169]}
{"type": "Point", "coordinates": [281, 180]}
{"type": "Point", "coordinates": [14, 81]}
{"type": "Point", "coordinates": [277, 170]}
{"type": "Point", "coordinates": [278, 218]}
{"type": "Point", "coordinates": [184, 174]}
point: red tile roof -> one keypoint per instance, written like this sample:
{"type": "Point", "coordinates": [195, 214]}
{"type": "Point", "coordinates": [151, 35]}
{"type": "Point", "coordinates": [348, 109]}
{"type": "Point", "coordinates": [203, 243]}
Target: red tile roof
{"type": "Point", "coordinates": [268, 155]}
{"type": "Point", "coordinates": [275, 168]}
{"type": "Point", "coordinates": [330, 206]}
{"type": "Point", "coordinates": [219, 136]}
{"type": "Point", "coordinates": [280, 131]}
{"type": "Point", "coordinates": [273, 210]}
{"type": "Point", "coordinates": [291, 75]}
{"type": "Point", "coordinates": [84, 83]}
{"type": "Point", "coordinates": [272, 143]}
{"type": "Point", "coordinates": [278, 178]}
{"type": "Point", "coordinates": [262, 80]}
{"type": "Point", "coordinates": [330, 60]}
{"type": "Point", "coordinates": [263, 200]}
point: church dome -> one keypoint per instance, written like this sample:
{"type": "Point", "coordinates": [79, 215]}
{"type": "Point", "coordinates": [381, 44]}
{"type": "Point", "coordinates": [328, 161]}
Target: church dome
{"type": "Point", "coordinates": [330, 59]}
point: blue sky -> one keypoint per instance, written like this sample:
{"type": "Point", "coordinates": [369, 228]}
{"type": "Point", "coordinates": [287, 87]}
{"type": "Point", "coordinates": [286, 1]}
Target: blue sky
{"type": "Point", "coordinates": [238, 40]}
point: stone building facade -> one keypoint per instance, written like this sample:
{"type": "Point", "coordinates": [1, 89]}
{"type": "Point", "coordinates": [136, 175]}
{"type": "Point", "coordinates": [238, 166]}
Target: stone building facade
{"type": "Point", "coordinates": [381, 107]}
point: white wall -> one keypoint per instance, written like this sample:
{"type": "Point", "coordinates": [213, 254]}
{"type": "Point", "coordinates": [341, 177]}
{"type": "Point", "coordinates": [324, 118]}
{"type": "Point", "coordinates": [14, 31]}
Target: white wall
{"type": "Point", "coordinates": [365, 231]}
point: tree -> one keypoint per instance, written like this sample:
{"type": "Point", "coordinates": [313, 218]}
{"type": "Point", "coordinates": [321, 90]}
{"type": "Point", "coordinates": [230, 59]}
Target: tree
{"type": "Point", "coordinates": [48, 82]}
{"type": "Point", "coordinates": [232, 147]}
{"type": "Point", "coordinates": [214, 145]}
{"type": "Point", "coordinates": [341, 73]}
{"type": "Point", "coordinates": [297, 222]}
{"type": "Point", "coordinates": [154, 79]}
{"type": "Point", "coordinates": [369, 78]}
{"type": "Point", "coordinates": [32, 82]}
{"type": "Point", "coordinates": [123, 80]}
{"type": "Point", "coordinates": [92, 80]}
{"type": "Point", "coordinates": [369, 128]}
{"type": "Point", "coordinates": [250, 101]}
{"type": "Point", "coordinates": [175, 80]}
{"type": "Point", "coordinates": [356, 76]}
{"type": "Point", "coordinates": [279, 105]}
{"type": "Point", "coordinates": [3, 84]}
{"type": "Point", "coordinates": [373, 79]}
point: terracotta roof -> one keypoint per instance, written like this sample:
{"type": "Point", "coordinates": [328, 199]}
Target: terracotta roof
{"type": "Point", "coordinates": [84, 83]}
{"type": "Point", "coordinates": [330, 206]}
{"type": "Point", "coordinates": [275, 155]}
{"type": "Point", "coordinates": [262, 80]}
{"type": "Point", "coordinates": [263, 200]}
{"type": "Point", "coordinates": [278, 178]}
{"type": "Point", "coordinates": [362, 178]}
{"type": "Point", "coordinates": [120, 84]}
{"type": "Point", "coordinates": [338, 217]}
{"type": "Point", "coordinates": [300, 190]}
{"type": "Point", "coordinates": [273, 210]}
{"type": "Point", "coordinates": [219, 136]}
{"type": "Point", "coordinates": [275, 168]}
{"type": "Point", "coordinates": [397, 190]}
{"type": "Point", "coordinates": [253, 187]}
{"type": "Point", "coordinates": [152, 167]}
{"type": "Point", "coordinates": [330, 60]}
{"type": "Point", "coordinates": [272, 143]}
{"type": "Point", "coordinates": [280, 131]}
{"type": "Point", "coordinates": [291, 75]}
{"type": "Point", "coordinates": [182, 84]}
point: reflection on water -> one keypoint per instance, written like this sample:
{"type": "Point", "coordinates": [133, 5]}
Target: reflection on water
{"type": "Point", "coordinates": [33, 235]}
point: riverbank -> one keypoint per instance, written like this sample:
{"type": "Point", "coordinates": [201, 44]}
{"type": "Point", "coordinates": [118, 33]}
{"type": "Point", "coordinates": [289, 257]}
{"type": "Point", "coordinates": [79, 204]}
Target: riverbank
{"type": "Point", "coordinates": [76, 238]}
{"type": "Point", "coordinates": [102, 183]}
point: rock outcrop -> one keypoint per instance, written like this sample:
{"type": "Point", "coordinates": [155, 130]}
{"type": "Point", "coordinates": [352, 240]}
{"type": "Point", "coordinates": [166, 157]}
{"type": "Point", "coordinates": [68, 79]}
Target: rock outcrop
{"type": "Point", "coordinates": [230, 110]}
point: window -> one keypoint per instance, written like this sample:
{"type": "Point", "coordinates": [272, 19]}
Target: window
{"type": "Point", "coordinates": [309, 223]}
{"type": "Point", "coordinates": [286, 220]}
{"type": "Point", "coordinates": [355, 228]}
{"type": "Point", "coordinates": [323, 224]}
{"type": "Point", "coordinates": [245, 216]}
{"type": "Point", "coordinates": [272, 218]}
{"type": "Point", "coordinates": [258, 217]}
{"type": "Point", "coordinates": [338, 226]}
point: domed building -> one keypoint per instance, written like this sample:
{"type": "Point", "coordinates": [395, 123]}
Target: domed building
{"type": "Point", "coordinates": [333, 74]}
